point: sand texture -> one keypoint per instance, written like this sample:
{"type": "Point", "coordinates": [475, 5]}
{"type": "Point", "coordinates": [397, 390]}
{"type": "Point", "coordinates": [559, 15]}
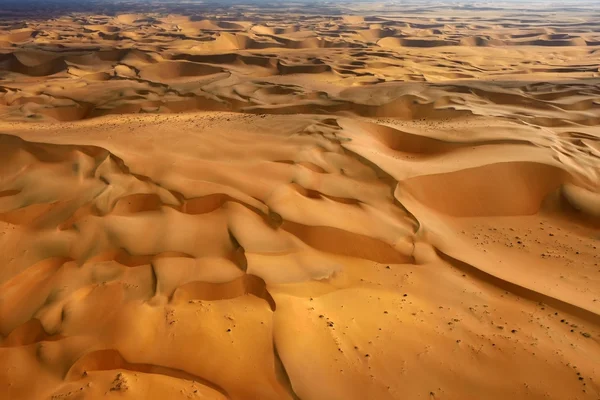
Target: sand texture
{"type": "Point", "coordinates": [352, 201]}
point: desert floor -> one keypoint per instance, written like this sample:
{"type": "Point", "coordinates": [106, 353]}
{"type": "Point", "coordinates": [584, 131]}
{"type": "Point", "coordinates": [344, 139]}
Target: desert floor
{"type": "Point", "coordinates": [315, 202]}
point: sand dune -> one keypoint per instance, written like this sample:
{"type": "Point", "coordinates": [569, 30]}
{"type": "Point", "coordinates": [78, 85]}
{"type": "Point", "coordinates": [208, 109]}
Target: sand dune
{"type": "Point", "coordinates": [342, 201]}
{"type": "Point", "coordinates": [97, 52]}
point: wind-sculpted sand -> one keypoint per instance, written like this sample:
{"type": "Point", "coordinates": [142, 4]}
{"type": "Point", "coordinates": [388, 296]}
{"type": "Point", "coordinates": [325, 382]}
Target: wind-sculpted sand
{"type": "Point", "coordinates": [346, 202]}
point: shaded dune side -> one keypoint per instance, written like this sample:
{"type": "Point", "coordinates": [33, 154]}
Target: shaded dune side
{"type": "Point", "coordinates": [44, 66]}
{"type": "Point", "coordinates": [110, 359]}
{"type": "Point", "coordinates": [337, 241]}
{"type": "Point", "coordinates": [515, 188]}
{"type": "Point", "coordinates": [246, 284]}
{"type": "Point", "coordinates": [421, 145]}
{"type": "Point", "coordinates": [28, 333]}
{"type": "Point", "coordinates": [177, 69]}
{"type": "Point", "coordinates": [406, 142]}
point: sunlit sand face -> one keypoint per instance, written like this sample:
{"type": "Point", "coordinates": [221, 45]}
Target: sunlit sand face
{"type": "Point", "coordinates": [291, 201]}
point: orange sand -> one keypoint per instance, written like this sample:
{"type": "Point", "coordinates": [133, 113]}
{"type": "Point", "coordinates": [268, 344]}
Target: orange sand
{"type": "Point", "coordinates": [398, 203]}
